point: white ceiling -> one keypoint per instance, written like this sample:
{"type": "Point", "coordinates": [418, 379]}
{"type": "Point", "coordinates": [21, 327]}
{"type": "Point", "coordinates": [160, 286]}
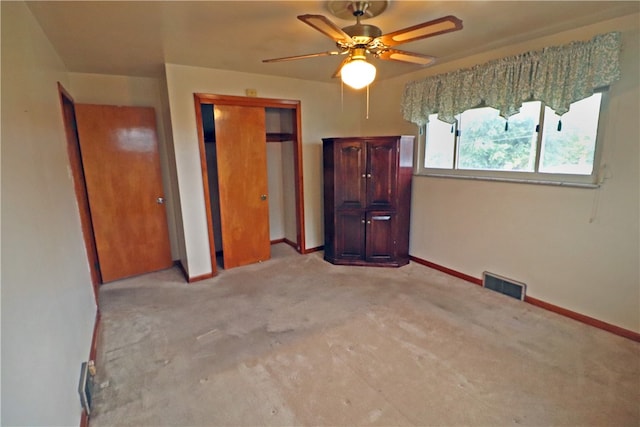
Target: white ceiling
{"type": "Point", "coordinates": [136, 38]}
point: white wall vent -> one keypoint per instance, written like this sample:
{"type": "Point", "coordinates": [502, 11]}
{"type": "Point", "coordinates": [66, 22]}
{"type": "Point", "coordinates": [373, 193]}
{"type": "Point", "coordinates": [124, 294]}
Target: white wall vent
{"type": "Point", "coordinates": [503, 285]}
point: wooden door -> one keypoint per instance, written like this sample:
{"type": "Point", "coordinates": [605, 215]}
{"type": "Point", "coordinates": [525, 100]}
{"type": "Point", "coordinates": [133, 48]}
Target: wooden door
{"type": "Point", "coordinates": [241, 146]}
{"type": "Point", "coordinates": [383, 173]}
{"type": "Point", "coordinates": [124, 184]}
{"type": "Point", "coordinates": [350, 174]}
{"type": "Point", "coordinates": [79, 181]}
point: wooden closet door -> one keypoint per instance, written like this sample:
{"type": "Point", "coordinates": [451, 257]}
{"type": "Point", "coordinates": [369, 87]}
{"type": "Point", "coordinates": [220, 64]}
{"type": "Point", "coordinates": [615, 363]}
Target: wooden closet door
{"type": "Point", "coordinates": [242, 176]}
{"type": "Point", "coordinates": [124, 183]}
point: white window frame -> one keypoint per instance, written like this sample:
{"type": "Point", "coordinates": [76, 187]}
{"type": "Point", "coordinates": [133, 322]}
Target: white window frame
{"type": "Point", "coordinates": [570, 180]}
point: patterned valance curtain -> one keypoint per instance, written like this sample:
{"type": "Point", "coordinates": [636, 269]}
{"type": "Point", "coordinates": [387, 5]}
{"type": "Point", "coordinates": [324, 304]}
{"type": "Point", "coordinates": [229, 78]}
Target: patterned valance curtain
{"type": "Point", "coordinates": [557, 76]}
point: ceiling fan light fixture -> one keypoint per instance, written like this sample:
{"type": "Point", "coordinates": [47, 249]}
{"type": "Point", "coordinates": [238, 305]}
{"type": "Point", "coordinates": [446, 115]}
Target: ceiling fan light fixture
{"type": "Point", "coordinates": [358, 73]}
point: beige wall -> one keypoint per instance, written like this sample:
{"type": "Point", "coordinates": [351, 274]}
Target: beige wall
{"type": "Point", "coordinates": [576, 248]}
{"type": "Point", "coordinates": [276, 190]}
{"type": "Point", "coordinates": [288, 191]}
{"type": "Point", "coordinates": [278, 121]}
{"type": "Point", "coordinates": [138, 92]}
{"type": "Point", "coordinates": [320, 102]}
{"type": "Point", "coordinates": [48, 307]}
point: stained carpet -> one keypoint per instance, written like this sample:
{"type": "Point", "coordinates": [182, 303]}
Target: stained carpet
{"type": "Point", "coordinates": [298, 341]}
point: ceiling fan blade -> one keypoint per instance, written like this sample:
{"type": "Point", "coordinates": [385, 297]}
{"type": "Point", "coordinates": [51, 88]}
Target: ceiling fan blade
{"type": "Point", "coordinates": [403, 56]}
{"type": "Point", "coordinates": [339, 69]}
{"type": "Point", "coordinates": [309, 55]}
{"type": "Point", "coordinates": [326, 27]}
{"type": "Point", "coordinates": [421, 31]}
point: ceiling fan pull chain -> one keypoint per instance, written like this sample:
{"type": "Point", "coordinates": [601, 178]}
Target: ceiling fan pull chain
{"type": "Point", "coordinates": [367, 102]}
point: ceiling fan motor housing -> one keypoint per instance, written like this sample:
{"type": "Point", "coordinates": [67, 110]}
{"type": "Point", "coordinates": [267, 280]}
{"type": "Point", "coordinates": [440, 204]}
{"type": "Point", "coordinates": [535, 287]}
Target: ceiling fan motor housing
{"type": "Point", "coordinates": [362, 33]}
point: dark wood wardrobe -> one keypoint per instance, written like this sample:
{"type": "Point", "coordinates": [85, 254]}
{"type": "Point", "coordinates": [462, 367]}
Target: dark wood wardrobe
{"type": "Point", "coordinates": [367, 197]}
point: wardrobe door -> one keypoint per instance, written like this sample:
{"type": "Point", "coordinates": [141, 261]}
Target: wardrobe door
{"type": "Point", "coordinates": [382, 173]}
{"type": "Point", "coordinates": [350, 239]}
{"type": "Point", "coordinates": [242, 179]}
{"type": "Point", "coordinates": [381, 236]}
{"type": "Point", "coordinates": [350, 167]}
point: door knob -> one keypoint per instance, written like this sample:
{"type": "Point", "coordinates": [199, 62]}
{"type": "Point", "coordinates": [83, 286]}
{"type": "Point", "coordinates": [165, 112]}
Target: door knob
{"type": "Point", "coordinates": [160, 200]}
{"type": "Point", "coordinates": [263, 197]}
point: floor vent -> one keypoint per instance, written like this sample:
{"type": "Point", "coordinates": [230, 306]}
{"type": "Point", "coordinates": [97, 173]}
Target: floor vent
{"type": "Point", "coordinates": [85, 386]}
{"type": "Point", "coordinates": [503, 285]}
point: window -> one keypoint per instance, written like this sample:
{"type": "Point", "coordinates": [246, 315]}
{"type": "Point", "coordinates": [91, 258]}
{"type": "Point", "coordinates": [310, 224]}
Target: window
{"type": "Point", "coordinates": [533, 145]}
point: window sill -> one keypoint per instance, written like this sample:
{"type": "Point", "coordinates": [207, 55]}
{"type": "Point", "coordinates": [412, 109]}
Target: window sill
{"type": "Point", "coordinates": [512, 180]}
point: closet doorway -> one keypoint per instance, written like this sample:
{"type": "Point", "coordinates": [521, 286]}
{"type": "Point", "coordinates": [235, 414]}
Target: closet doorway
{"type": "Point", "coordinates": [247, 207]}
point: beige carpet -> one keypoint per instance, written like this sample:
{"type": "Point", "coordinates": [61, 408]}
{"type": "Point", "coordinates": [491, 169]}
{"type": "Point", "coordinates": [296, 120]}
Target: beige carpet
{"type": "Point", "coordinates": [298, 341]}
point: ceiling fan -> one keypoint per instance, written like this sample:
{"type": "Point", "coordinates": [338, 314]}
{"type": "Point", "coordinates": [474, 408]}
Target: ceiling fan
{"type": "Point", "coordinates": [358, 40]}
